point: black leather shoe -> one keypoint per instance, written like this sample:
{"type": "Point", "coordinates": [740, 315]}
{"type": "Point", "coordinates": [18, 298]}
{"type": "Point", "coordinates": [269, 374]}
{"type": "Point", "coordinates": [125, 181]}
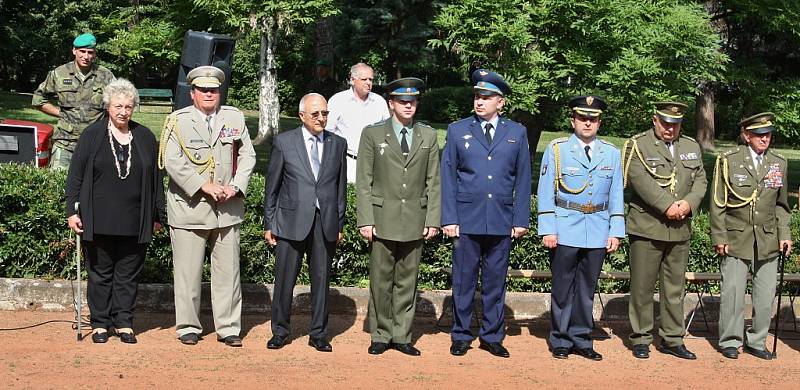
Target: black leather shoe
{"type": "Point", "coordinates": [730, 352]}
{"type": "Point", "coordinates": [189, 338]}
{"type": "Point", "coordinates": [641, 351]}
{"type": "Point", "coordinates": [321, 345]}
{"type": "Point", "coordinates": [588, 353]}
{"type": "Point", "coordinates": [127, 338]}
{"type": "Point", "coordinates": [277, 342]}
{"type": "Point", "coordinates": [377, 348]}
{"type": "Point", "coordinates": [496, 349]}
{"type": "Point", "coordinates": [679, 351]}
{"type": "Point", "coordinates": [459, 348]}
{"type": "Point", "coordinates": [407, 349]}
{"type": "Point", "coordinates": [231, 341]}
{"type": "Point", "coordinates": [100, 337]}
{"type": "Point", "coordinates": [759, 353]}
{"type": "Point", "coordinates": [560, 353]}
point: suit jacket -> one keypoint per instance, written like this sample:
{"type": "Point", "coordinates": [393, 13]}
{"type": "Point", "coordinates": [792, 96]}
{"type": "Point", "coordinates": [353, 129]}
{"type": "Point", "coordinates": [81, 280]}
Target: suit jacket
{"type": "Point", "coordinates": [80, 179]}
{"type": "Point", "coordinates": [599, 182]}
{"type": "Point", "coordinates": [399, 195]}
{"type": "Point", "coordinates": [486, 189]}
{"type": "Point", "coordinates": [649, 200]}
{"type": "Point", "coordinates": [291, 193]}
{"type": "Point", "coordinates": [187, 206]}
{"type": "Point", "coordinates": [751, 230]}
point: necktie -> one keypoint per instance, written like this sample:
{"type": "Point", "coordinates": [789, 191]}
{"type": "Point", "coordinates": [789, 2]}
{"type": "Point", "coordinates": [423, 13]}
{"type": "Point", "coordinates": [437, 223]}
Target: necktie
{"type": "Point", "coordinates": [670, 148]}
{"type": "Point", "coordinates": [488, 127]}
{"type": "Point", "coordinates": [314, 156]}
{"type": "Point", "coordinates": [208, 124]}
{"type": "Point", "coordinates": [404, 142]}
{"type": "Point", "coordinates": [588, 149]}
{"type": "Point", "coordinates": [759, 160]}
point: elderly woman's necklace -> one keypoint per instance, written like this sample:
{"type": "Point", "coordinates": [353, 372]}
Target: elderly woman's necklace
{"type": "Point", "coordinates": [118, 150]}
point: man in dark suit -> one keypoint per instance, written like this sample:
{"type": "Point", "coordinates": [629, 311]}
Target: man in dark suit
{"type": "Point", "coordinates": [304, 204]}
{"type": "Point", "coordinates": [486, 201]}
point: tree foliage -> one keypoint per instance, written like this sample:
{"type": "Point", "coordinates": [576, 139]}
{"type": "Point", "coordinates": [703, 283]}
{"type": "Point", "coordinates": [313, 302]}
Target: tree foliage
{"type": "Point", "coordinates": [631, 52]}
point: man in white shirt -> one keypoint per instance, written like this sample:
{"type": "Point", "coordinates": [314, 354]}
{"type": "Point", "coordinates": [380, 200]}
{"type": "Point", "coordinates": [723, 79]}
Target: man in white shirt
{"type": "Point", "coordinates": [353, 109]}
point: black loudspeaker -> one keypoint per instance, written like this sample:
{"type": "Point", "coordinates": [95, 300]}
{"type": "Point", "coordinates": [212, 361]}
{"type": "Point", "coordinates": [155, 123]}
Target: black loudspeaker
{"type": "Point", "coordinates": [200, 48]}
{"type": "Point", "coordinates": [18, 144]}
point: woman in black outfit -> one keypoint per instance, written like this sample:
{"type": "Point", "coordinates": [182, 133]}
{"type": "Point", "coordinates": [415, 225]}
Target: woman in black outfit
{"type": "Point", "coordinates": [114, 176]}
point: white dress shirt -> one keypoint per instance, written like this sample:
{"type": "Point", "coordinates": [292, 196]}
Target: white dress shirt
{"type": "Point", "coordinates": [494, 125]}
{"type": "Point", "coordinates": [320, 145]}
{"type": "Point", "coordinates": [349, 116]}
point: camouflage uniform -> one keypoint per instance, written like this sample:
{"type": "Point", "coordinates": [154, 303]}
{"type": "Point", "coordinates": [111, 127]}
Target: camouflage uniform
{"type": "Point", "coordinates": [80, 99]}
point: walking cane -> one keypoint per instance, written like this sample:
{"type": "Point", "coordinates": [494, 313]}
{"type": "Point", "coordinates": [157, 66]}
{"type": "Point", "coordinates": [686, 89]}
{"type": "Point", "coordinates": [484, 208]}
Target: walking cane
{"type": "Point", "coordinates": [781, 264]}
{"type": "Point", "coordinates": [78, 301]}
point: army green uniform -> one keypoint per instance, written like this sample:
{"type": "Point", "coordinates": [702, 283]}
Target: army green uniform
{"type": "Point", "coordinates": [400, 196]}
{"type": "Point", "coordinates": [749, 212]}
{"type": "Point", "coordinates": [659, 246]}
{"type": "Point", "coordinates": [80, 99]}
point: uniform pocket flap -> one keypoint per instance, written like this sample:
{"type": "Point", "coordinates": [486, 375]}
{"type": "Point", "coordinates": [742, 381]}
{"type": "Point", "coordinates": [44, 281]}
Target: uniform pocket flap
{"type": "Point", "coordinates": [769, 228]}
{"type": "Point", "coordinates": [507, 199]}
{"type": "Point", "coordinates": [376, 200]}
{"type": "Point", "coordinates": [423, 202]}
{"type": "Point", "coordinates": [464, 197]}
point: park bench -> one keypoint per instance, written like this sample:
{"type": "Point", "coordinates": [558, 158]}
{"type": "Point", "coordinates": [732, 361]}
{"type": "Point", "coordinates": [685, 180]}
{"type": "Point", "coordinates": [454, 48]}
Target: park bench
{"type": "Point", "coordinates": [155, 96]}
{"type": "Point", "coordinates": [703, 279]}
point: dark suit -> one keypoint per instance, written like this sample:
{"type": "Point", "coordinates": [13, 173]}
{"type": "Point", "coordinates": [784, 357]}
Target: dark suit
{"type": "Point", "coordinates": [290, 212]}
{"type": "Point", "coordinates": [486, 190]}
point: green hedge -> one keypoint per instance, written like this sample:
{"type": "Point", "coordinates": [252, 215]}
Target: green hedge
{"type": "Point", "coordinates": [35, 241]}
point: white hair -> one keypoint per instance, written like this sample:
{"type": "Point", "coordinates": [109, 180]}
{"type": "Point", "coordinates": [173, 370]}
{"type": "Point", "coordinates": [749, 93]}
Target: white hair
{"type": "Point", "coordinates": [355, 69]}
{"type": "Point", "coordinates": [120, 88]}
{"type": "Point", "coordinates": [302, 107]}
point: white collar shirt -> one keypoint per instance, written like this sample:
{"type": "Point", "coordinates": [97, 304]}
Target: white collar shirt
{"type": "Point", "coordinates": [493, 122]}
{"type": "Point", "coordinates": [349, 116]}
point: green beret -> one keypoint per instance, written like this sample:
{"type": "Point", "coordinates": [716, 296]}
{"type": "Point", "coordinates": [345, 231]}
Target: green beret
{"type": "Point", "coordinates": [84, 41]}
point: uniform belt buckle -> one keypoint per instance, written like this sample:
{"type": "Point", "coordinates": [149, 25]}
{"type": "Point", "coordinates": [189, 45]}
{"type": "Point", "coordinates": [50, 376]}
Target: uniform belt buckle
{"type": "Point", "coordinates": [587, 208]}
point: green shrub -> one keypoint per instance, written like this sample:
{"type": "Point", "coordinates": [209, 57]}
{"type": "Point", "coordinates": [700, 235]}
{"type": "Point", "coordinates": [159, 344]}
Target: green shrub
{"type": "Point", "coordinates": [445, 104]}
{"type": "Point", "coordinates": [36, 242]}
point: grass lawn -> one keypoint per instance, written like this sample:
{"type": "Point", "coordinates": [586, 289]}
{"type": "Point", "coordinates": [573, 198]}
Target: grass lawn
{"type": "Point", "coordinates": [17, 106]}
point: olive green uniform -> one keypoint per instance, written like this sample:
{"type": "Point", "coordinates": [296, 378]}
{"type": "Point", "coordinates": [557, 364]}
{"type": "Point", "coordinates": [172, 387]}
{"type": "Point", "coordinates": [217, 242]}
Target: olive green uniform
{"type": "Point", "coordinates": [400, 196]}
{"type": "Point", "coordinates": [79, 96]}
{"type": "Point", "coordinates": [659, 247]}
{"type": "Point", "coordinates": [749, 212]}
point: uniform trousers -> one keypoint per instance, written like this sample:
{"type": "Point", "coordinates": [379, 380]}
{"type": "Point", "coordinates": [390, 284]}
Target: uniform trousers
{"type": "Point", "coordinates": [189, 250]}
{"type": "Point", "coordinates": [113, 264]}
{"type": "Point", "coordinates": [60, 156]}
{"type": "Point", "coordinates": [731, 307]}
{"type": "Point", "coordinates": [489, 254]}
{"type": "Point", "coordinates": [664, 261]}
{"type": "Point", "coordinates": [289, 257]}
{"type": "Point", "coordinates": [393, 273]}
{"type": "Point", "coordinates": [575, 273]}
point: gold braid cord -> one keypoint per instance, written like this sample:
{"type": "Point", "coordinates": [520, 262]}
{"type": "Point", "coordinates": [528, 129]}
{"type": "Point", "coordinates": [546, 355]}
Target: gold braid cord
{"type": "Point", "coordinates": [627, 157]}
{"type": "Point", "coordinates": [170, 126]}
{"type": "Point", "coordinates": [559, 181]}
{"type": "Point", "coordinates": [722, 165]}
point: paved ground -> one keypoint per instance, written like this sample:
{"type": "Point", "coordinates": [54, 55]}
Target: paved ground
{"type": "Point", "coordinates": [48, 356]}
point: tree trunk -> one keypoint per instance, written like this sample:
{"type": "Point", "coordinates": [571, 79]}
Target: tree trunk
{"type": "Point", "coordinates": [269, 107]}
{"type": "Point", "coordinates": [533, 127]}
{"type": "Point", "coordinates": [704, 118]}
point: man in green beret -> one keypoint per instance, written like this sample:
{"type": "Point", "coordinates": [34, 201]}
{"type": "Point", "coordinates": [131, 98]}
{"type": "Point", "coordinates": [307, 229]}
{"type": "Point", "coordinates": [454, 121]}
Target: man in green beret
{"type": "Point", "coordinates": [77, 89]}
{"type": "Point", "coordinates": [664, 171]}
{"type": "Point", "coordinates": [749, 215]}
{"type": "Point", "coordinates": [323, 83]}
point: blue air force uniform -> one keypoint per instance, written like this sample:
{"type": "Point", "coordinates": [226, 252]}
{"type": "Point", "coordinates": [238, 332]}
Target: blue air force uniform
{"type": "Point", "coordinates": [486, 190]}
{"type": "Point", "coordinates": [580, 200]}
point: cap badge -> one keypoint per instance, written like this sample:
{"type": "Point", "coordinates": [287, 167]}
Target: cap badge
{"type": "Point", "coordinates": [674, 109]}
{"type": "Point", "coordinates": [483, 73]}
{"type": "Point", "coordinates": [589, 100]}
{"type": "Point", "coordinates": [408, 90]}
{"type": "Point", "coordinates": [764, 120]}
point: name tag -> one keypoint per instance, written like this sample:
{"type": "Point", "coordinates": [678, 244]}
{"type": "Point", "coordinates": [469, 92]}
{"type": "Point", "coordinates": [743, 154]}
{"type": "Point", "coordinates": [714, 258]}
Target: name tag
{"type": "Point", "coordinates": [653, 159]}
{"type": "Point", "coordinates": [573, 170]}
{"type": "Point", "coordinates": [606, 168]}
{"type": "Point", "coordinates": [196, 141]}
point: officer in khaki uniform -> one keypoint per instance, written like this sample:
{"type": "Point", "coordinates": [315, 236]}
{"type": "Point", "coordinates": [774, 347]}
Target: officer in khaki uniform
{"type": "Point", "coordinates": [664, 171]}
{"type": "Point", "coordinates": [749, 224]}
{"type": "Point", "coordinates": [207, 153]}
{"type": "Point", "coordinates": [77, 87]}
{"type": "Point", "coordinates": [397, 181]}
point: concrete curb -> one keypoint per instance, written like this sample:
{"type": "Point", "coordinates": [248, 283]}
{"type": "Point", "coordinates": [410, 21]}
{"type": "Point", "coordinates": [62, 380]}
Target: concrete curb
{"type": "Point", "coordinates": [57, 295]}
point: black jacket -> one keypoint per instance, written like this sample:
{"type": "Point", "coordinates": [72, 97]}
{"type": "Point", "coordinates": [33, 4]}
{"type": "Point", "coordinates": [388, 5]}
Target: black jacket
{"type": "Point", "coordinates": [80, 178]}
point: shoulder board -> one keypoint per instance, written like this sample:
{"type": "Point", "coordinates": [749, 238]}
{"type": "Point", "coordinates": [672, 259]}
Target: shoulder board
{"type": "Point", "coordinates": [378, 124]}
{"type": "Point", "coordinates": [689, 138]}
{"type": "Point", "coordinates": [778, 155]}
{"type": "Point", "coordinates": [183, 111]}
{"type": "Point", "coordinates": [606, 142]}
{"type": "Point", "coordinates": [640, 135]}
{"type": "Point", "coordinates": [425, 125]}
{"type": "Point", "coordinates": [230, 108]}
{"type": "Point", "coordinates": [731, 151]}
{"type": "Point", "coordinates": [559, 140]}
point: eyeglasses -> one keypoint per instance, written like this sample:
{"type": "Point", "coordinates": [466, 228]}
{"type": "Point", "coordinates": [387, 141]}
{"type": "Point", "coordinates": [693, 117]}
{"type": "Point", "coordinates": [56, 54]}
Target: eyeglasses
{"type": "Point", "coordinates": [316, 114]}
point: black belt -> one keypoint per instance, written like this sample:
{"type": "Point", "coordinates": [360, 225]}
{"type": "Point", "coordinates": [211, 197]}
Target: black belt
{"type": "Point", "coordinates": [584, 208]}
{"type": "Point", "coordinates": [353, 156]}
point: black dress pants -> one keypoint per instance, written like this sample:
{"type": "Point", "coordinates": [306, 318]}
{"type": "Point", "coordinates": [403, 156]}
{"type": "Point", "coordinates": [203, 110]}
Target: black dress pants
{"type": "Point", "coordinates": [113, 264]}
